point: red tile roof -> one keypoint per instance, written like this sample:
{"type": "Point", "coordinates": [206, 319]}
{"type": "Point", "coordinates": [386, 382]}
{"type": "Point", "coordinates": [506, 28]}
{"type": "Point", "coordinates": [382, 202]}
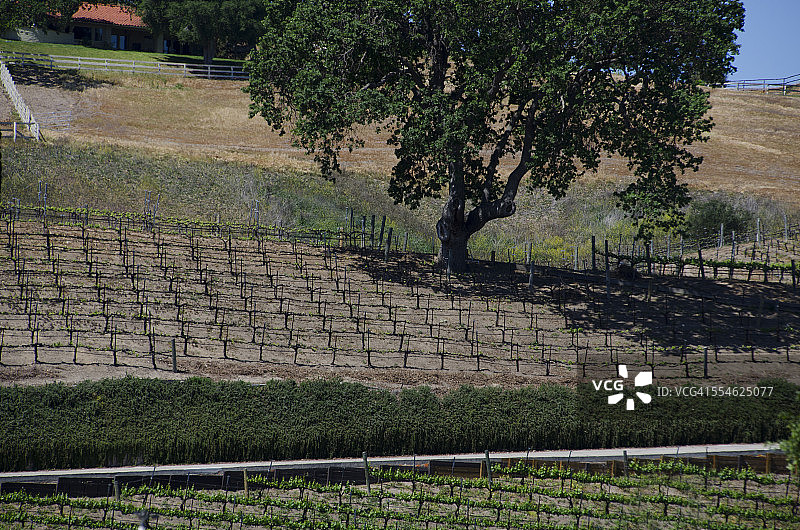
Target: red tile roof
{"type": "Point", "coordinates": [108, 14]}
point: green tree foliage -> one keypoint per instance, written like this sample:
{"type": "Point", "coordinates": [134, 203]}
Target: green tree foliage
{"type": "Point", "coordinates": [25, 13]}
{"type": "Point", "coordinates": [209, 23]}
{"type": "Point", "coordinates": [791, 445]}
{"type": "Point", "coordinates": [704, 218]}
{"type": "Point", "coordinates": [552, 85]}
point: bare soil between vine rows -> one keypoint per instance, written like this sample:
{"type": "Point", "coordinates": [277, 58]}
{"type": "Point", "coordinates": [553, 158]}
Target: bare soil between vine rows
{"type": "Point", "coordinates": [106, 301]}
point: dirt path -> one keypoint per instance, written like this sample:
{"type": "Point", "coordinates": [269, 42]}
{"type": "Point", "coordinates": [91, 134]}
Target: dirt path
{"type": "Point", "coordinates": [55, 97]}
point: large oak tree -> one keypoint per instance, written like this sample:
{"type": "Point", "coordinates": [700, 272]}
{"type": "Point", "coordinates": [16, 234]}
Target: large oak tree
{"type": "Point", "coordinates": [207, 23]}
{"type": "Point", "coordinates": [553, 85]}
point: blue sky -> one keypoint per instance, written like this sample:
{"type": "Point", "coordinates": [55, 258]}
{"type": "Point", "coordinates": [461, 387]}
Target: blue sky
{"type": "Point", "coordinates": [770, 44]}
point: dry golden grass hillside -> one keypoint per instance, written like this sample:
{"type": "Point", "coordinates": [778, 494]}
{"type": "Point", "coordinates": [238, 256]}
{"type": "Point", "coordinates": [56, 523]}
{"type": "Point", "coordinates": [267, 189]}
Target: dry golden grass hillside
{"type": "Point", "coordinates": [753, 149]}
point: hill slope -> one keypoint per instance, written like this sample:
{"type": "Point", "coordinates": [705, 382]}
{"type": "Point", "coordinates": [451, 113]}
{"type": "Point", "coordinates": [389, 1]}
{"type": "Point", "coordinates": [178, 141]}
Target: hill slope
{"type": "Point", "coordinates": [752, 149]}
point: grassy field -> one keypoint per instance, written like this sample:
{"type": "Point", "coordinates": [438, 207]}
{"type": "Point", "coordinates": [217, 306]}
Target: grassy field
{"type": "Point", "coordinates": [106, 176]}
{"type": "Point", "coordinates": [79, 50]}
{"type": "Point", "coordinates": [750, 159]}
{"type": "Point", "coordinates": [292, 194]}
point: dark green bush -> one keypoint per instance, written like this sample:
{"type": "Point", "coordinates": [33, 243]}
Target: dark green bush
{"type": "Point", "coordinates": [134, 421]}
{"type": "Point", "coordinates": [705, 216]}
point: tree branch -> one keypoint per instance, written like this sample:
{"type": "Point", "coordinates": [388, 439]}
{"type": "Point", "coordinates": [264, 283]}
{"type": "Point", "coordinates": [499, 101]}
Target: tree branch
{"type": "Point", "coordinates": [494, 88]}
{"type": "Point", "coordinates": [505, 205]}
{"type": "Point", "coordinates": [413, 72]}
{"type": "Point", "coordinates": [494, 160]}
{"type": "Point", "coordinates": [381, 82]}
{"type": "Point", "coordinates": [512, 185]}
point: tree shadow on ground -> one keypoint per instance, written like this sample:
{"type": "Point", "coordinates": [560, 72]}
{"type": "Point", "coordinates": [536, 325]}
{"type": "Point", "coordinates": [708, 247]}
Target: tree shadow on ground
{"type": "Point", "coordinates": [666, 312]}
{"type": "Point", "coordinates": [35, 75]}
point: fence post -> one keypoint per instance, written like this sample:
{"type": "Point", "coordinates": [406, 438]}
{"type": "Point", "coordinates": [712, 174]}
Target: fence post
{"type": "Point", "coordinates": [372, 232]}
{"type": "Point", "coordinates": [608, 275]}
{"type": "Point", "coordinates": [366, 469]}
{"type": "Point", "coordinates": [530, 276]}
{"type": "Point", "coordinates": [388, 243]}
{"type": "Point", "coordinates": [700, 256]}
{"type": "Point", "coordinates": [785, 229]}
{"type": "Point", "coordinates": [363, 231]}
{"type": "Point", "coordinates": [594, 257]}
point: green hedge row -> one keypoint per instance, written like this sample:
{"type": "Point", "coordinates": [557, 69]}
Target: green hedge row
{"type": "Point", "coordinates": [130, 420]}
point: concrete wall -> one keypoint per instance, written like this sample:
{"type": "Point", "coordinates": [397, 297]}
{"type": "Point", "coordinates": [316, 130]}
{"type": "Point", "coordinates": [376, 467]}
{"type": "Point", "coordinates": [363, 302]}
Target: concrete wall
{"type": "Point", "coordinates": [38, 35]}
{"type": "Point", "coordinates": [135, 39]}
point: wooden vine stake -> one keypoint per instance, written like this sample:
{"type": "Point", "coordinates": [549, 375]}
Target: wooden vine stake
{"type": "Point", "coordinates": [700, 257]}
{"type": "Point", "coordinates": [366, 469]}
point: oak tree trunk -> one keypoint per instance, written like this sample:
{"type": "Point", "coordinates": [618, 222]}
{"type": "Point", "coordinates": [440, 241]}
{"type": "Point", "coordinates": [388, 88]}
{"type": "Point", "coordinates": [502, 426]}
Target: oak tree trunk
{"type": "Point", "coordinates": [209, 51]}
{"type": "Point", "coordinates": [453, 237]}
{"type": "Point", "coordinates": [454, 228]}
{"type": "Point", "coordinates": [451, 227]}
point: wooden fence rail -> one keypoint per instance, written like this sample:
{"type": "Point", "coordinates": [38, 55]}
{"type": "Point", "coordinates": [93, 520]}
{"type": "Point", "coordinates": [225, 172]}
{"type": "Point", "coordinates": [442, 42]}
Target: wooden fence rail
{"type": "Point", "coordinates": [207, 71]}
{"type": "Point", "coordinates": [782, 85]}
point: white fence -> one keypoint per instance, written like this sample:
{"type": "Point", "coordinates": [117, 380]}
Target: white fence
{"type": "Point", "coordinates": [19, 104]}
{"type": "Point", "coordinates": [207, 71]}
{"type": "Point", "coordinates": [781, 85]}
